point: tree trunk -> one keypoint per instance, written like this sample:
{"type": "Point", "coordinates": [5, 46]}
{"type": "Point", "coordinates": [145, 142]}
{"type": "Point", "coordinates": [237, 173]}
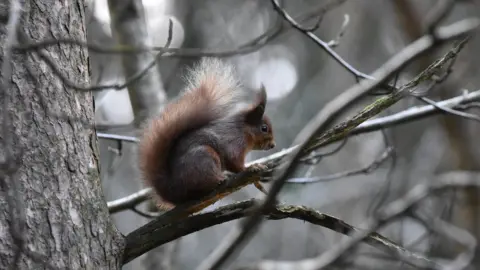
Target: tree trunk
{"type": "Point", "coordinates": [62, 216]}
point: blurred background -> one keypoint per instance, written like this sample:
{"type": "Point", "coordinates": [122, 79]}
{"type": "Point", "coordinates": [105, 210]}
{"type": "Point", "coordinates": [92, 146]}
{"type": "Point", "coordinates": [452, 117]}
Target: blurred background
{"type": "Point", "coordinates": [300, 79]}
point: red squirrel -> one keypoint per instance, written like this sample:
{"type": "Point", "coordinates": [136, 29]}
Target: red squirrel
{"type": "Point", "coordinates": [184, 151]}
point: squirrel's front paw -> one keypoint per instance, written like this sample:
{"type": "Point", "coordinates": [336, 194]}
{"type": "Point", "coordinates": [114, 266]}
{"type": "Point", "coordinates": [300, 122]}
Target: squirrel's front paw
{"type": "Point", "coordinates": [256, 168]}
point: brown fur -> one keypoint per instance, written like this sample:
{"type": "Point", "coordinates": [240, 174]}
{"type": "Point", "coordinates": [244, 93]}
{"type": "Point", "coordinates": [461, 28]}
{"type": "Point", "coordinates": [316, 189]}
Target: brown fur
{"type": "Point", "coordinates": [184, 151]}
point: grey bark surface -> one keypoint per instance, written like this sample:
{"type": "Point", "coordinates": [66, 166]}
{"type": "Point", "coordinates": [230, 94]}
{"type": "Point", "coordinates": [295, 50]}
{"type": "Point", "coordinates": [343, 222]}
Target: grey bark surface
{"type": "Point", "coordinates": [66, 218]}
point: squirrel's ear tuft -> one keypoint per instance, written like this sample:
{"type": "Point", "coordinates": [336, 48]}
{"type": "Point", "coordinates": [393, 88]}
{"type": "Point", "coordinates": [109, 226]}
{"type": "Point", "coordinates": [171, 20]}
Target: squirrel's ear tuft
{"type": "Point", "coordinates": [255, 114]}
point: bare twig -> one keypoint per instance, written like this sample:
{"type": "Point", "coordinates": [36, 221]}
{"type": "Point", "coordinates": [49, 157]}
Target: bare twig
{"type": "Point", "coordinates": [129, 201]}
{"type": "Point", "coordinates": [450, 110]}
{"type": "Point", "coordinates": [335, 42]}
{"type": "Point", "coordinates": [418, 112]}
{"type": "Point", "coordinates": [330, 5]}
{"type": "Point", "coordinates": [117, 137]}
{"type": "Point", "coordinates": [320, 42]}
{"type": "Point", "coordinates": [314, 158]}
{"type": "Point", "coordinates": [365, 170]}
{"type": "Point", "coordinates": [331, 110]}
{"type": "Point", "coordinates": [144, 213]}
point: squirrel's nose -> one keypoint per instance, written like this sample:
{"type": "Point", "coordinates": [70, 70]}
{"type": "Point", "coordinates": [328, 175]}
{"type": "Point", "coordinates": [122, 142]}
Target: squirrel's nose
{"type": "Point", "coordinates": [271, 145]}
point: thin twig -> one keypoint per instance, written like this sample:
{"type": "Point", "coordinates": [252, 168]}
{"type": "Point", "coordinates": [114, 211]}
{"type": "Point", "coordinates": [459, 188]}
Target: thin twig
{"type": "Point", "coordinates": [318, 41]}
{"type": "Point", "coordinates": [321, 13]}
{"type": "Point", "coordinates": [365, 170]}
{"type": "Point", "coordinates": [314, 158]}
{"type": "Point", "coordinates": [117, 137]}
{"type": "Point", "coordinates": [129, 201]}
{"type": "Point", "coordinates": [144, 214]}
{"type": "Point", "coordinates": [417, 112]}
{"type": "Point", "coordinates": [336, 41]}
{"type": "Point", "coordinates": [450, 110]}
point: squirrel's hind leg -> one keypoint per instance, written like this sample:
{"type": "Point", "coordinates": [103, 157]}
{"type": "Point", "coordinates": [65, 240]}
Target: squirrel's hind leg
{"type": "Point", "coordinates": [201, 173]}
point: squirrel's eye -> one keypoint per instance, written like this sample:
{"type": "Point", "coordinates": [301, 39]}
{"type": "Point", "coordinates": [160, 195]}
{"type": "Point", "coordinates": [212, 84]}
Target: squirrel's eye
{"type": "Point", "coordinates": [264, 128]}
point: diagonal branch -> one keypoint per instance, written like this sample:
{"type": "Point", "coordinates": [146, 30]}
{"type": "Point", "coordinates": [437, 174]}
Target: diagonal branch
{"type": "Point", "coordinates": [306, 140]}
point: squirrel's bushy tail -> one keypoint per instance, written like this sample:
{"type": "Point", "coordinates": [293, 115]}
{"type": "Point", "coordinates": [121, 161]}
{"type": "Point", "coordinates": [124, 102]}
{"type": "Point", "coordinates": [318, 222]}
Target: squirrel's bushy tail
{"type": "Point", "coordinates": [210, 94]}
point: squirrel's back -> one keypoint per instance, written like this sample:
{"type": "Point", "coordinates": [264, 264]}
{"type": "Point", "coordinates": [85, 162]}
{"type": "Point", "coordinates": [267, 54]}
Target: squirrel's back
{"type": "Point", "coordinates": [211, 93]}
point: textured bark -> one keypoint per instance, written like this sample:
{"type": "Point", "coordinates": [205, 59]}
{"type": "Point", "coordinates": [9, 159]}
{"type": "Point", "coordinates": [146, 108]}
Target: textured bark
{"type": "Point", "coordinates": [66, 217]}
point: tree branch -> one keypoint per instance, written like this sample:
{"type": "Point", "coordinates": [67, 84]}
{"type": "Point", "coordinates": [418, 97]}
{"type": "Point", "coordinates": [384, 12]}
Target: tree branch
{"type": "Point", "coordinates": [416, 113]}
{"type": "Point", "coordinates": [128, 202]}
{"type": "Point", "coordinates": [161, 230]}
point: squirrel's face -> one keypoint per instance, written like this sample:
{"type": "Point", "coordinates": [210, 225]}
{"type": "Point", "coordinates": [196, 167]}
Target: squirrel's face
{"type": "Point", "coordinates": [259, 125]}
{"type": "Point", "coordinates": [263, 135]}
